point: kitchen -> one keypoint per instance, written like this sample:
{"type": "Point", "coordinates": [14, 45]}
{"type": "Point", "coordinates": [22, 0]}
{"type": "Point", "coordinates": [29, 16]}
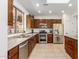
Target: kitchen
{"type": "Point", "coordinates": [34, 30]}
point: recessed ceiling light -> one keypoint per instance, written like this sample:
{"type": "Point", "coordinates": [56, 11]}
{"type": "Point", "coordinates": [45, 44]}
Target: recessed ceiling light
{"type": "Point", "coordinates": [37, 4]}
{"type": "Point", "coordinates": [39, 11]}
{"type": "Point", "coordinates": [57, 1]}
{"type": "Point", "coordinates": [62, 11]}
{"type": "Point", "coordinates": [50, 11]}
{"type": "Point", "coordinates": [70, 5]}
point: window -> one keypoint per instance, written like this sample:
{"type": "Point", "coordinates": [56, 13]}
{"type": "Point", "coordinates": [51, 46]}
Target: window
{"type": "Point", "coordinates": [18, 17]}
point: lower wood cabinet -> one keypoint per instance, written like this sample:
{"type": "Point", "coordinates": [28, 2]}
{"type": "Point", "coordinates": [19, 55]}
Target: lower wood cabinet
{"type": "Point", "coordinates": [37, 38]}
{"type": "Point", "coordinates": [71, 47]}
{"type": "Point", "coordinates": [15, 57]}
{"type": "Point", "coordinates": [31, 43]}
{"type": "Point", "coordinates": [13, 53]}
{"type": "Point", "coordinates": [49, 38]}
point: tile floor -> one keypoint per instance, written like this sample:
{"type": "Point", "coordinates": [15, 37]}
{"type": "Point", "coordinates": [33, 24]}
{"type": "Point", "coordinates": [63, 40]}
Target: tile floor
{"type": "Point", "coordinates": [49, 51]}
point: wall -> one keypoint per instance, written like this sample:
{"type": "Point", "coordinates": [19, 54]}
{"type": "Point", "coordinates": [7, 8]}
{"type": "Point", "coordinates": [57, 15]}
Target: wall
{"type": "Point", "coordinates": [70, 24]}
{"type": "Point", "coordinates": [3, 29]}
{"type": "Point", "coordinates": [19, 6]}
{"type": "Point", "coordinates": [48, 17]}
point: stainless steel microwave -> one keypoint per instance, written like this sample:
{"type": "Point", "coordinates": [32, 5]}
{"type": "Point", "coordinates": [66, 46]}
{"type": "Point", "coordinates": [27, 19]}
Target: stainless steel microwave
{"type": "Point", "coordinates": [43, 25]}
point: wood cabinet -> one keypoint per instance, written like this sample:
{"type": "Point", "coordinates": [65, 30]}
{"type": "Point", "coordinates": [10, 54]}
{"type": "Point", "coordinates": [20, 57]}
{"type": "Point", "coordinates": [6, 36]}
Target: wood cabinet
{"type": "Point", "coordinates": [71, 47]}
{"type": "Point", "coordinates": [32, 23]}
{"type": "Point", "coordinates": [37, 22]}
{"type": "Point", "coordinates": [43, 20]}
{"type": "Point", "coordinates": [10, 12]}
{"type": "Point", "coordinates": [50, 38]}
{"type": "Point", "coordinates": [49, 22]}
{"type": "Point", "coordinates": [37, 38]}
{"type": "Point", "coordinates": [29, 47]}
{"type": "Point", "coordinates": [57, 21]}
{"type": "Point", "coordinates": [31, 44]}
{"type": "Point", "coordinates": [13, 53]}
{"type": "Point", "coordinates": [28, 21]}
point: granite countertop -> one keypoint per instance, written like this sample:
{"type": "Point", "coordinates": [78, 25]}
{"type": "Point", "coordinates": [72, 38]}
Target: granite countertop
{"type": "Point", "coordinates": [73, 36]}
{"type": "Point", "coordinates": [13, 42]}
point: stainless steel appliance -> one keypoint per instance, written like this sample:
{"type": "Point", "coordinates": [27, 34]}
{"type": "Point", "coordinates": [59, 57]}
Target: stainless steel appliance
{"type": "Point", "coordinates": [58, 33]}
{"type": "Point", "coordinates": [23, 50]}
{"type": "Point", "coordinates": [43, 37]}
{"type": "Point", "coordinates": [43, 25]}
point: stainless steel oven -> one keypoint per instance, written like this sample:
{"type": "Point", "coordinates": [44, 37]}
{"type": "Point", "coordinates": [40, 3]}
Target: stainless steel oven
{"type": "Point", "coordinates": [43, 37]}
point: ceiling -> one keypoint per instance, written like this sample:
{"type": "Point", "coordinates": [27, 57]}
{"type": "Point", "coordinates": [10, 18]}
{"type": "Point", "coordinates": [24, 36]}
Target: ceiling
{"type": "Point", "coordinates": [30, 5]}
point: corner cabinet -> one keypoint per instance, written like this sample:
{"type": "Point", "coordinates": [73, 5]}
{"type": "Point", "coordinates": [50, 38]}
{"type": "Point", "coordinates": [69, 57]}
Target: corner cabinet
{"type": "Point", "coordinates": [71, 47]}
{"type": "Point", "coordinates": [13, 53]}
{"type": "Point", "coordinates": [10, 12]}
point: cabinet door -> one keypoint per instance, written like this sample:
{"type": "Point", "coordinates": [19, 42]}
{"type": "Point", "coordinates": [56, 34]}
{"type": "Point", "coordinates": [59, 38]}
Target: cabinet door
{"type": "Point", "coordinates": [49, 23]}
{"type": "Point", "coordinates": [57, 21]}
{"type": "Point", "coordinates": [71, 47]}
{"type": "Point", "coordinates": [50, 38]}
{"type": "Point", "coordinates": [37, 38]}
{"type": "Point", "coordinates": [37, 22]}
{"type": "Point", "coordinates": [15, 57]}
{"type": "Point", "coordinates": [42, 20]}
{"type": "Point", "coordinates": [14, 53]}
{"type": "Point", "coordinates": [29, 46]}
{"type": "Point", "coordinates": [32, 23]}
{"type": "Point", "coordinates": [10, 12]}
{"type": "Point", "coordinates": [28, 21]}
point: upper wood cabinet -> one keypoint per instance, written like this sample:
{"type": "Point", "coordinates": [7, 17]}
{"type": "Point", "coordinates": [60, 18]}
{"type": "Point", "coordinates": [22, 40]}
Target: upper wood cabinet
{"type": "Point", "coordinates": [57, 21]}
{"type": "Point", "coordinates": [32, 23]}
{"type": "Point", "coordinates": [28, 21]}
{"type": "Point", "coordinates": [43, 20]}
{"type": "Point", "coordinates": [10, 12]}
{"type": "Point", "coordinates": [49, 23]}
{"type": "Point", "coordinates": [37, 22]}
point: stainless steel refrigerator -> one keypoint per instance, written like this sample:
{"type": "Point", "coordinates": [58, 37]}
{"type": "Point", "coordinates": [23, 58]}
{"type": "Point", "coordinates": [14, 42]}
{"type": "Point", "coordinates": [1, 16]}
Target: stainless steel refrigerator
{"type": "Point", "coordinates": [58, 33]}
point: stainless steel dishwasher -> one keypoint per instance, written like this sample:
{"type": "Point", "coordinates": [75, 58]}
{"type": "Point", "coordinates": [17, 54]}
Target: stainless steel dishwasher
{"type": "Point", "coordinates": [23, 50]}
